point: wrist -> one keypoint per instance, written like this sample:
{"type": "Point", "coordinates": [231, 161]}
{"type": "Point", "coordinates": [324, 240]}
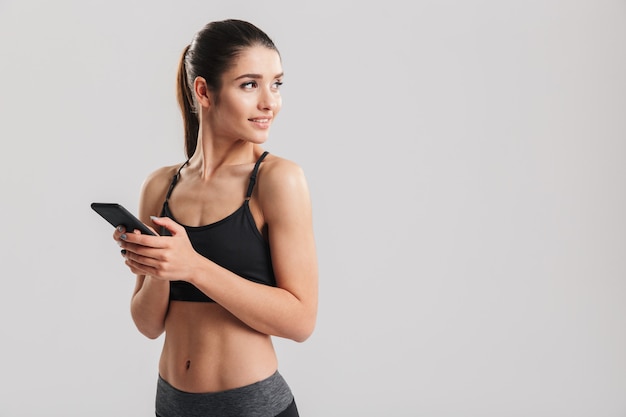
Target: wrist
{"type": "Point", "coordinates": [156, 283]}
{"type": "Point", "coordinates": [196, 269]}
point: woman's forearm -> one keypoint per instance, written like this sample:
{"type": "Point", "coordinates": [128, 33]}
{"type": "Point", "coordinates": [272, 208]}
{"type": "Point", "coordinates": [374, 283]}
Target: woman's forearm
{"type": "Point", "coordinates": [149, 306]}
{"type": "Point", "coordinates": [269, 310]}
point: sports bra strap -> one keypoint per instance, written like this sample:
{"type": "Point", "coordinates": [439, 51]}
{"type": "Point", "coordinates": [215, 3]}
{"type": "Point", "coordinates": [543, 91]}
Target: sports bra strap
{"type": "Point", "coordinates": [174, 181]}
{"type": "Point", "coordinates": [250, 184]}
{"type": "Point", "coordinates": [254, 173]}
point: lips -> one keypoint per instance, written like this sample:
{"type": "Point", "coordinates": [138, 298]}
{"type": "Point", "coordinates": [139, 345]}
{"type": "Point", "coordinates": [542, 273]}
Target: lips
{"type": "Point", "coordinates": [262, 123]}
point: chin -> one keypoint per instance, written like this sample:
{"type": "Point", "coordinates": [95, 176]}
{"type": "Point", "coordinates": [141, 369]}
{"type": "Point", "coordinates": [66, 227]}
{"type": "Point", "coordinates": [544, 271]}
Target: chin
{"type": "Point", "coordinates": [259, 139]}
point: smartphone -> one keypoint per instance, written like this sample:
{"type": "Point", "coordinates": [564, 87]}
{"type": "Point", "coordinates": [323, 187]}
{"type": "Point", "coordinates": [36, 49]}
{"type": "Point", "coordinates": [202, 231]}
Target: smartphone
{"type": "Point", "coordinates": [117, 215]}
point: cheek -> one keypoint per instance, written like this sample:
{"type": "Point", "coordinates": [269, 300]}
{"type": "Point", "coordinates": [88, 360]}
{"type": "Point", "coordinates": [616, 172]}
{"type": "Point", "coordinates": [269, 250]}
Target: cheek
{"type": "Point", "coordinates": [279, 105]}
{"type": "Point", "coordinates": [231, 111]}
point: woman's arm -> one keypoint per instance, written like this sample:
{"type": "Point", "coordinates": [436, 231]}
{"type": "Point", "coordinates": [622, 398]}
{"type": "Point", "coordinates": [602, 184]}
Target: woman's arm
{"type": "Point", "coordinates": [288, 310]}
{"type": "Point", "coordinates": [150, 299]}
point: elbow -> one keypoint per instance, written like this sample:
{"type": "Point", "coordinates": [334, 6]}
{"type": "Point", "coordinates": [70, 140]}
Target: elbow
{"type": "Point", "coordinates": [302, 330]}
{"type": "Point", "coordinates": [150, 329]}
{"type": "Point", "coordinates": [151, 332]}
{"type": "Point", "coordinates": [305, 332]}
{"type": "Point", "coordinates": [302, 337]}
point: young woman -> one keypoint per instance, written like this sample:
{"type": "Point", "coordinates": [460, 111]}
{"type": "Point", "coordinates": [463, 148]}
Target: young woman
{"type": "Point", "coordinates": [235, 261]}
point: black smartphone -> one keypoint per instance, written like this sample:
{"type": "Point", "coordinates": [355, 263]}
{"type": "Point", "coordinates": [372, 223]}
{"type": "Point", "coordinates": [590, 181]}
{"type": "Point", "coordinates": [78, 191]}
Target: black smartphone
{"type": "Point", "coordinates": [117, 215]}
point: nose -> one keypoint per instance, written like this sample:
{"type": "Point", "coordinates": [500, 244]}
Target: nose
{"type": "Point", "coordinates": [268, 100]}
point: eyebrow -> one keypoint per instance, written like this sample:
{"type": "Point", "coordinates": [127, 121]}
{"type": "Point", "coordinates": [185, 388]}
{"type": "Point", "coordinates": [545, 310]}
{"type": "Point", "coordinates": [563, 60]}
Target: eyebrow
{"type": "Point", "coordinates": [257, 76]}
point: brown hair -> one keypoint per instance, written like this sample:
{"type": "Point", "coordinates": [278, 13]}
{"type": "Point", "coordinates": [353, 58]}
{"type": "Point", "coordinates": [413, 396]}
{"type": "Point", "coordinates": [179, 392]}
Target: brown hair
{"type": "Point", "coordinates": [210, 54]}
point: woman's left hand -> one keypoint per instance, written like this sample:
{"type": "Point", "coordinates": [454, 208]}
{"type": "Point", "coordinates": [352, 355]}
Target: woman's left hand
{"type": "Point", "coordinates": [168, 258]}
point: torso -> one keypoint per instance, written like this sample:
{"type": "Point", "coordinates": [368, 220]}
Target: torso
{"type": "Point", "coordinates": [206, 348]}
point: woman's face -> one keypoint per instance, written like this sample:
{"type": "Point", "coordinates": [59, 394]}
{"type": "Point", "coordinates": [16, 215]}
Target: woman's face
{"type": "Point", "coordinates": [250, 96]}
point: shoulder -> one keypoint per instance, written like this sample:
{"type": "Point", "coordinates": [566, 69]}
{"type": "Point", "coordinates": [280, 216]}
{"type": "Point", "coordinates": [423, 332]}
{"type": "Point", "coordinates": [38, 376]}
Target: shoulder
{"type": "Point", "coordinates": [159, 179]}
{"type": "Point", "coordinates": [280, 172]}
{"type": "Point", "coordinates": [282, 187]}
{"type": "Point", "coordinates": [154, 190]}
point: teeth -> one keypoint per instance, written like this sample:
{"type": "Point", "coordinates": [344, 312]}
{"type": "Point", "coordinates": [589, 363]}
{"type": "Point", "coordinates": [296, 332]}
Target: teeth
{"type": "Point", "coordinates": [261, 120]}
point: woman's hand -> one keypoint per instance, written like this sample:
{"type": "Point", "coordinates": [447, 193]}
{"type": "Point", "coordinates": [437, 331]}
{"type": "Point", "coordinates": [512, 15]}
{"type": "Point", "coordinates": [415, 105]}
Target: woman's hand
{"type": "Point", "coordinates": [167, 258]}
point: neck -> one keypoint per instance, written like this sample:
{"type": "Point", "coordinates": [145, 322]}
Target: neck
{"type": "Point", "coordinates": [212, 153]}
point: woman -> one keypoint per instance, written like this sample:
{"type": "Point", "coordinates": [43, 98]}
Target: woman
{"type": "Point", "coordinates": [235, 263]}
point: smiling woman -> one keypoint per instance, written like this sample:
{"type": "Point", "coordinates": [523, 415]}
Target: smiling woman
{"type": "Point", "coordinates": [235, 261]}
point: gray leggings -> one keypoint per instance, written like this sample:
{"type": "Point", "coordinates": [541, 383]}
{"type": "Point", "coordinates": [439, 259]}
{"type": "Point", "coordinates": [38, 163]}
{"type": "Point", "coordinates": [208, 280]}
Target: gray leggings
{"type": "Point", "coordinates": [270, 397]}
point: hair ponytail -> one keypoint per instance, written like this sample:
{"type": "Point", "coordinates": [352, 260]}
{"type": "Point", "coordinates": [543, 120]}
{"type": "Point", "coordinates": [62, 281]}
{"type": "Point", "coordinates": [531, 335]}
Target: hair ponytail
{"type": "Point", "coordinates": [187, 108]}
{"type": "Point", "coordinates": [211, 53]}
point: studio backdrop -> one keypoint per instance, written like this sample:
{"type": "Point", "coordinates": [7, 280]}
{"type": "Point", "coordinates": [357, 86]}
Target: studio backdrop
{"type": "Point", "coordinates": [467, 167]}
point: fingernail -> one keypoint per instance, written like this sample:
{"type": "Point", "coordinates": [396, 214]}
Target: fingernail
{"type": "Point", "coordinates": [120, 228]}
{"type": "Point", "coordinates": [123, 236]}
{"type": "Point", "coordinates": [123, 252]}
{"type": "Point", "coordinates": [154, 218]}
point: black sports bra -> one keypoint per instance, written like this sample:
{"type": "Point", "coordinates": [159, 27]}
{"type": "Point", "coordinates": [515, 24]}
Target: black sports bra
{"type": "Point", "coordinates": [234, 243]}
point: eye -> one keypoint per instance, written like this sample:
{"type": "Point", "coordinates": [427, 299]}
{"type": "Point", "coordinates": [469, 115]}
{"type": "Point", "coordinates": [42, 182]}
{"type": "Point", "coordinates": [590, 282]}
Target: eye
{"type": "Point", "coordinates": [249, 85]}
{"type": "Point", "coordinates": [277, 85]}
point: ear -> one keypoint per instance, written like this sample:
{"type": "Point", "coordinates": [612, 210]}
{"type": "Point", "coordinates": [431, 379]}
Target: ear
{"type": "Point", "coordinates": [201, 91]}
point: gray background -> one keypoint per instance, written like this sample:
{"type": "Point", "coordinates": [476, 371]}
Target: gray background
{"type": "Point", "coordinates": [467, 164]}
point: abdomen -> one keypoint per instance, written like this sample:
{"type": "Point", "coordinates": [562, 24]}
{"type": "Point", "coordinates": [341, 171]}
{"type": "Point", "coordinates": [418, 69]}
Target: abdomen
{"type": "Point", "coordinates": [207, 349]}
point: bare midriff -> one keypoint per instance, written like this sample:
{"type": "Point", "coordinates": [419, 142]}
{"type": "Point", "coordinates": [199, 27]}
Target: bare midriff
{"type": "Point", "coordinates": [207, 349]}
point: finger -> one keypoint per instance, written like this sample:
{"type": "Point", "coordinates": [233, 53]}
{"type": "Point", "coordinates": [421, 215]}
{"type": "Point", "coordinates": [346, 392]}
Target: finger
{"type": "Point", "coordinates": [147, 252]}
{"type": "Point", "coordinates": [138, 262]}
{"type": "Point", "coordinates": [173, 227]}
{"type": "Point", "coordinates": [143, 240]}
{"type": "Point", "coordinates": [119, 230]}
{"type": "Point", "coordinates": [143, 269]}
{"type": "Point", "coordinates": [136, 268]}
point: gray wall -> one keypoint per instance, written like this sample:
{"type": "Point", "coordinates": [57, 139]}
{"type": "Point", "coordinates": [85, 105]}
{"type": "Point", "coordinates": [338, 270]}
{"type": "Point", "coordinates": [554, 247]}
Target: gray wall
{"type": "Point", "coordinates": [467, 163]}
